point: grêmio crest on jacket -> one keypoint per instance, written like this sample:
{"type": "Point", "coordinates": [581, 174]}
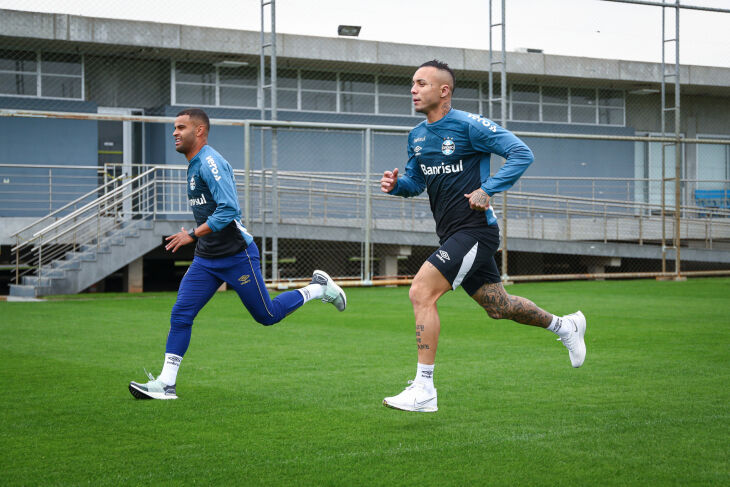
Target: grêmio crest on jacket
{"type": "Point", "coordinates": [197, 191]}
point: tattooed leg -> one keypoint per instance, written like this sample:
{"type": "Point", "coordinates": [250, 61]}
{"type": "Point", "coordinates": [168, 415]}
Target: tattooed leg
{"type": "Point", "coordinates": [500, 305]}
{"type": "Point", "coordinates": [428, 286]}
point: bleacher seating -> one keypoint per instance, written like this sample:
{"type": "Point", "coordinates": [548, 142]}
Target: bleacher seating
{"type": "Point", "coordinates": [712, 198]}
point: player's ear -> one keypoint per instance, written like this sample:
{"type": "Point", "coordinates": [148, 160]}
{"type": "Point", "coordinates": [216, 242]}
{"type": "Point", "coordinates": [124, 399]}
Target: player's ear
{"type": "Point", "coordinates": [445, 91]}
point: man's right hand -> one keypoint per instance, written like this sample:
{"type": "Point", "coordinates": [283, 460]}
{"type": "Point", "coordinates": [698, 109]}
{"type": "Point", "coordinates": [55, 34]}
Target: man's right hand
{"type": "Point", "coordinates": [388, 181]}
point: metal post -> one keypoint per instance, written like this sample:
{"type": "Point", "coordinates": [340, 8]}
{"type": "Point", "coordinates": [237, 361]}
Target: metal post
{"type": "Point", "coordinates": [367, 274]}
{"type": "Point", "coordinates": [50, 190]}
{"type": "Point", "coordinates": [262, 140]}
{"type": "Point", "coordinates": [274, 142]}
{"type": "Point", "coordinates": [17, 259]}
{"type": "Point", "coordinates": [677, 140]}
{"type": "Point", "coordinates": [677, 147]}
{"type": "Point", "coordinates": [503, 95]}
{"type": "Point", "coordinates": [247, 173]}
{"type": "Point", "coordinates": [503, 114]}
{"type": "Point", "coordinates": [154, 199]}
{"type": "Point", "coordinates": [274, 154]}
{"type": "Point", "coordinates": [663, 130]}
{"type": "Point", "coordinates": [40, 259]}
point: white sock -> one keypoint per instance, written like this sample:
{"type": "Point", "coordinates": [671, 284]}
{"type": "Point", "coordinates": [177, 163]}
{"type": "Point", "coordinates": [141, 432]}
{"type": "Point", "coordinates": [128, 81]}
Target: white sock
{"type": "Point", "coordinates": [312, 291]}
{"type": "Point", "coordinates": [556, 326]}
{"type": "Point", "coordinates": [169, 370]}
{"type": "Point", "coordinates": [424, 374]}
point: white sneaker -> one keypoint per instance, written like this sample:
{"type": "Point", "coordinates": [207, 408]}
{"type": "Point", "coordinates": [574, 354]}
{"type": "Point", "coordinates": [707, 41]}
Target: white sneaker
{"type": "Point", "coordinates": [574, 341]}
{"type": "Point", "coordinates": [416, 397]}
{"type": "Point", "coordinates": [154, 389]}
{"type": "Point", "coordinates": [332, 292]}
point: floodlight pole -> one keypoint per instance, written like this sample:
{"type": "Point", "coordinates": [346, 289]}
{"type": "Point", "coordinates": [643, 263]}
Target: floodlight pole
{"type": "Point", "coordinates": [503, 113]}
{"type": "Point", "coordinates": [274, 142]}
{"type": "Point", "coordinates": [677, 140]}
{"type": "Point", "coordinates": [367, 277]}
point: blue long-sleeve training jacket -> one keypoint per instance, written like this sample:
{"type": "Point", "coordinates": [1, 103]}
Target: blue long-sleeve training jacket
{"type": "Point", "coordinates": [213, 199]}
{"type": "Point", "coordinates": [450, 158]}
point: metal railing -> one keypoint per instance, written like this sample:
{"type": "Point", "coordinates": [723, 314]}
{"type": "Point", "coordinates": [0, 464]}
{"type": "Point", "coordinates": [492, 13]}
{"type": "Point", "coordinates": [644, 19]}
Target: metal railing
{"type": "Point", "coordinates": [338, 200]}
{"type": "Point", "coordinates": [85, 226]}
{"type": "Point", "coordinates": [38, 189]}
{"type": "Point", "coordinates": [38, 180]}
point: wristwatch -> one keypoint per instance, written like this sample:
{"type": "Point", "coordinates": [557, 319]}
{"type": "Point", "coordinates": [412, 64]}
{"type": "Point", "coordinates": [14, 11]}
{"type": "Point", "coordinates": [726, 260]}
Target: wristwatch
{"type": "Point", "coordinates": [192, 235]}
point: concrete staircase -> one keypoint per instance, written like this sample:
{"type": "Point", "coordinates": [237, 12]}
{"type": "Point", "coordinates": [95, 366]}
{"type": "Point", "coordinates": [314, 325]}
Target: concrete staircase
{"type": "Point", "coordinates": [78, 270]}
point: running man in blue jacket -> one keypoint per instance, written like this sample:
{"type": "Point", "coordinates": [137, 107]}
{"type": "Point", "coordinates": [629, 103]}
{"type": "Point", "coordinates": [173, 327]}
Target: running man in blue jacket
{"type": "Point", "coordinates": [448, 155]}
{"type": "Point", "coordinates": [224, 252]}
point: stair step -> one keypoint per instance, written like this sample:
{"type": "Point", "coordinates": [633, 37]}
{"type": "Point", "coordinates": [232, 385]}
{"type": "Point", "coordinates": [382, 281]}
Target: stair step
{"type": "Point", "coordinates": [35, 281]}
{"type": "Point", "coordinates": [144, 224]}
{"type": "Point", "coordinates": [130, 233]}
{"type": "Point", "coordinates": [66, 265]}
{"type": "Point", "coordinates": [22, 291]}
{"type": "Point", "coordinates": [115, 240]}
{"type": "Point", "coordinates": [52, 272]}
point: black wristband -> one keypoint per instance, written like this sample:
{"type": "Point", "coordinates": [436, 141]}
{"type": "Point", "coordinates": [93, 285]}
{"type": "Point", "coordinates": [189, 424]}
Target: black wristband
{"type": "Point", "coordinates": [192, 235]}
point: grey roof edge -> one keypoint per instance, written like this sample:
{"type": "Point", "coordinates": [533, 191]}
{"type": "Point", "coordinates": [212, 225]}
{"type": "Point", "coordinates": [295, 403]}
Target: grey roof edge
{"type": "Point", "coordinates": [145, 34]}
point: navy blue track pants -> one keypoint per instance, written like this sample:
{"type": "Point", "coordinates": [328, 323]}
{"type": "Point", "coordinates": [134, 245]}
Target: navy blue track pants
{"type": "Point", "coordinates": [242, 272]}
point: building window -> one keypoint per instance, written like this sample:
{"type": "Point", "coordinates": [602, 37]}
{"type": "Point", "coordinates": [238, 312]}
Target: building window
{"type": "Point", "coordinates": [287, 89]}
{"type": "Point", "coordinates": [394, 95]}
{"type": "Point", "coordinates": [496, 111]}
{"type": "Point", "coordinates": [583, 105]}
{"type": "Point", "coordinates": [339, 92]}
{"type": "Point", "coordinates": [713, 165]}
{"type": "Point", "coordinates": [466, 96]}
{"type": "Point", "coordinates": [554, 104]}
{"type": "Point", "coordinates": [648, 167]}
{"type": "Point", "coordinates": [357, 93]}
{"type": "Point", "coordinates": [41, 74]}
{"type": "Point", "coordinates": [525, 103]}
{"type": "Point", "coordinates": [318, 91]}
{"type": "Point", "coordinates": [611, 107]}
{"type": "Point", "coordinates": [237, 86]}
{"type": "Point", "coordinates": [204, 84]}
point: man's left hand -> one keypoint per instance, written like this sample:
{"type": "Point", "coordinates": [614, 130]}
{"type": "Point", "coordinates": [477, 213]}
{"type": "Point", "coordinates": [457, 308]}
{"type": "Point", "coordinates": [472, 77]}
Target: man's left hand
{"type": "Point", "coordinates": [178, 240]}
{"type": "Point", "coordinates": [478, 200]}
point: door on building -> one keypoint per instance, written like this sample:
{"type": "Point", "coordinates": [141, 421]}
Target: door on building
{"type": "Point", "coordinates": [648, 167]}
{"type": "Point", "coordinates": [121, 150]}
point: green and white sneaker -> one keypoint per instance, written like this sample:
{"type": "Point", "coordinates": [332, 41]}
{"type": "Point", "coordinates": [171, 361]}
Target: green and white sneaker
{"type": "Point", "coordinates": [332, 292]}
{"type": "Point", "coordinates": [154, 389]}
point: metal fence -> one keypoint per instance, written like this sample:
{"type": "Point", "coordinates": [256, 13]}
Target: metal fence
{"type": "Point", "coordinates": [93, 102]}
{"type": "Point", "coordinates": [329, 212]}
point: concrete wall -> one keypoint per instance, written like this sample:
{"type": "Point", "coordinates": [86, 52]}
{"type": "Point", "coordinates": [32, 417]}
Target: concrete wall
{"type": "Point", "coordinates": [152, 37]}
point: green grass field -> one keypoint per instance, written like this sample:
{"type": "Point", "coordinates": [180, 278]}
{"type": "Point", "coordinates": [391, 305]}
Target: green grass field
{"type": "Point", "coordinates": [300, 402]}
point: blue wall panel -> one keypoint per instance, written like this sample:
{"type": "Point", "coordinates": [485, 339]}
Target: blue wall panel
{"type": "Point", "coordinates": [32, 192]}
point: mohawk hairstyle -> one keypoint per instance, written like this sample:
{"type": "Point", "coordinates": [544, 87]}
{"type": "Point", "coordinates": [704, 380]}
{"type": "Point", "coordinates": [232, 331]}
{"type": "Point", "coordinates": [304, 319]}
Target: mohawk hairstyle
{"type": "Point", "coordinates": [435, 63]}
{"type": "Point", "coordinates": [197, 114]}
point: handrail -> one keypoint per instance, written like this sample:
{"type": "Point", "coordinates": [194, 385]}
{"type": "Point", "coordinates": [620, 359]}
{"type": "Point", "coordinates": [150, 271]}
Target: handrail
{"type": "Point", "coordinates": [91, 217]}
{"type": "Point", "coordinates": [95, 190]}
{"type": "Point", "coordinates": [98, 201]}
{"type": "Point", "coordinates": [79, 211]}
